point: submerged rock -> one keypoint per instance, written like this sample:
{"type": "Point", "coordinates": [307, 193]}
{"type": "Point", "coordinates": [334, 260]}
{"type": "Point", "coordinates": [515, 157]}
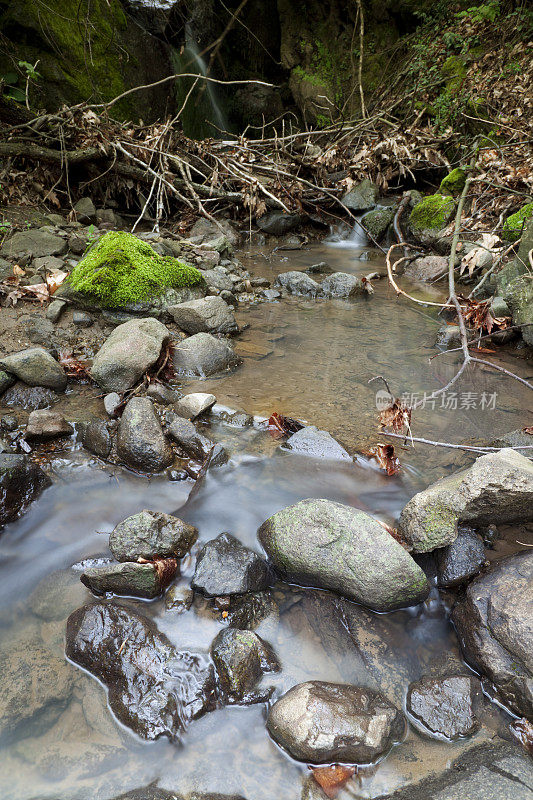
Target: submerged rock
{"type": "Point", "coordinates": [21, 482]}
{"type": "Point", "coordinates": [210, 314]}
{"type": "Point", "coordinates": [332, 546]}
{"type": "Point", "coordinates": [203, 355]}
{"type": "Point", "coordinates": [446, 706]}
{"type": "Point", "coordinates": [36, 367]}
{"type": "Point", "coordinates": [225, 567]}
{"type": "Point", "coordinates": [127, 353]}
{"type": "Point", "coordinates": [314, 443]}
{"type": "Point", "coordinates": [141, 443]}
{"type": "Point", "coordinates": [494, 625]}
{"type": "Point", "coordinates": [497, 488]}
{"type": "Point", "coordinates": [241, 658]}
{"type": "Point", "coordinates": [43, 424]}
{"type": "Point", "coordinates": [192, 405]}
{"type": "Point", "coordinates": [461, 560]}
{"type": "Point", "coordinates": [153, 688]}
{"type": "Point", "coordinates": [126, 578]}
{"type": "Point", "coordinates": [29, 397]}
{"type": "Point", "coordinates": [151, 534]}
{"type": "Point", "coordinates": [321, 722]}
{"type": "Point", "coordinates": [341, 284]}
{"type": "Point", "coordinates": [295, 282]}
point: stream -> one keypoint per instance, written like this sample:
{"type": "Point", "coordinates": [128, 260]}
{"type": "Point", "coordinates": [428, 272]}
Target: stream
{"type": "Point", "coordinates": [306, 359]}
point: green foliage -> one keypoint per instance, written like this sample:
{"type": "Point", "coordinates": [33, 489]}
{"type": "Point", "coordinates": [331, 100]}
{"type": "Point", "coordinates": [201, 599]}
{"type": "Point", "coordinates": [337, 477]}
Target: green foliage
{"type": "Point", "coordinates": [487, 12]}
{"type": "Point", "coordinates": [120, 269]}
{"type": "Point", "coordinates": [9, 81]}
{"type": "Point", "coordinates": [432, 213]}
{"type": "Point", "coordinates": [514, 225]}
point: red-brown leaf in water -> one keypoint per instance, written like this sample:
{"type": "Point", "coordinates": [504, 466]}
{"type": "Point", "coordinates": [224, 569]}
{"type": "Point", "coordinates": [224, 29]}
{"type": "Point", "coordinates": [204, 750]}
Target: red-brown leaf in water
{"type": "Point", "coordinates": [396, 416]}
{"type": "Point", "coordinates": [332, 779]}
{"type": "Point", "coordinates": [279, 425]}
{"type": "Point", "coordinates": [528, 429]}
{"type": "Point", "coordinates": [386, 457]}
{"type": "Point", "coordinates": [74, 367]}
{"type": "Point", "coordinates": [523, 731]}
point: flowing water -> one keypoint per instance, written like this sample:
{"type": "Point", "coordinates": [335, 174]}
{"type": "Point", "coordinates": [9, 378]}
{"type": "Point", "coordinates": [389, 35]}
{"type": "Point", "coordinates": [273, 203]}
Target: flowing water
{"type": "Point", "coordinates": [306, 359]}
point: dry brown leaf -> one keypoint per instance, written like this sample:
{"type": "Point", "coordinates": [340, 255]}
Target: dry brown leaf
{"type": "Point", "coordinates": [396, 416]}
{"type": "Point", "coordinates": [386, 457]}
{"type": "Point", "coordinates": [332, 779]}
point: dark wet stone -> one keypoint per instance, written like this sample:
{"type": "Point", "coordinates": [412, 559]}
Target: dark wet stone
{"type": "Point", "coordinates": [241, 658]}
{"type": "Point", "coordinates": [151, 534]}
{"type": "Point", "coordinates": [141, 443]}
{"type": "Point", "coordinates": [184, 433]}
{"type": "Point", "coordinates": [55, 309]}
{"type": "Point", "coordinates": [448, 706]}
{"type": "Point", "coordinates": [29, 398]}
{"type": "Point", "coordinates": [36, 367]}
{"type": "Point", "coordinates": [82, 319]}
{"type": "Point", "coordinates": [493, 622]}
{"type": "Point", "coordinates": [127, 578]}
{"type": "Point", "coordinates": [332, 546]}
{"type": "Point", "coordinates": [239, 419]}
{"type": "Point", "coordinates": [278, 223]}
{"type": "Point", "coordinates": [153, 688]}
{"type": "Point", "coordinates": [160, 393]}
{"type": "Point", "coordinates": [312, 442]}
{"type": "Point", "coordinates": [21, 482]}
{"type": "Point", "coordinates": [225, 566]}
{"type": "Point", "coordinates": [179, 599]}
{"type": "Point", "coordinates": [96, 438]}
{"type": "Point", "coordinates": [461, 560]}
{"type": "Point", "coordinates": [319, 723]}
{"type": "Point", "coordinates": [150, 793]}
{"type": "Point", "coordinates": [44, 424]}
{"type": "Point", "coordinates": [250, 610]}
{"type": "Point", "coordinates": [36, 686]}
{"type": "Point", "coordinates": [6, 380]}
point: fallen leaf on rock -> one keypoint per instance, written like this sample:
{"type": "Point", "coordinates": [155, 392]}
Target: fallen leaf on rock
{"type": "Point", "coordinates": [522, 729]}
{"type": "Point", "coordinates": [279, 425]}
{"type": "Point", "coordinates": [528, 429]}
{"type": "Point", "coordinates": [166, 568]}
{"type": "Point", "coordinates": [386, 457]}
{"type": "Point", "coordinates": [332, 779]}
{"type": "Point", "coordinates": [55, 279]}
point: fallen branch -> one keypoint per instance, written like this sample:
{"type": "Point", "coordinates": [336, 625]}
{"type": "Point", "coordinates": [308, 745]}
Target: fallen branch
{"type": "Point", "coordinates": [470, 448]}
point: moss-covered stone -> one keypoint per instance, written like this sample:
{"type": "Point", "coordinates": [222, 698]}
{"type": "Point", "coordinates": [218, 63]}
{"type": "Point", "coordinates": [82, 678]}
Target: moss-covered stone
{"type": "Point", "coordinates": [433, 213]}
{"type": "Point", "coordinates": [120, 269]}
{"type": "Point", "coordinates": [453, 184]}
{"type": "Point", "coordinates": [514, 225]}
{"type": "Point", "coordinates": [378, 220]}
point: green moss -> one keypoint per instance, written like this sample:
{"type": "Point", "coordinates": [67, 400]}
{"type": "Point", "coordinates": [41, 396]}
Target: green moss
{"type": "Point", "coordinates": [433, 213]}
{"type": "Point", "coordinates": [514, 225]}
{"type": "Point", "coordinates": [453, 184]}
{"type": "Point", "coordinates": [454, 71]}
{"type": "Point", "coordinates": [120, 269]}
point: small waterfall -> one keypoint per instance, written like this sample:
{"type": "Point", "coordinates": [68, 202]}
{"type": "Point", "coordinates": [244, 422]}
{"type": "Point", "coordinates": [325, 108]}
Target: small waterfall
{"type": "Point", "coordinates": [192, 53]}
{"type": "Point", "coordinates": [354, 238]}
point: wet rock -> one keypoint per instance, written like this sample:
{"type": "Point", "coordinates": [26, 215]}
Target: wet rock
{"type": "Point", "coordinates": [314, 443]}
{"type": "Point", "coordinates": [248, 611]}
{"type": "Point", "coordinates": [225, 567]}
{"type": "Point", "coordinates": [210, 314]}
{"type": "Point", "coordinates": [96, 438]}
{"type": "Point", "coordinates": [38, 243]}
{"type": "Point", "coordinates": [217, 280]}
{"type": "Point", "coordinates": [82, 319]}
{"type": "Point", "coordinates": [29, 398]}
{"type": "Point", "coordinates": [9, 423]}
{"type": "Point", "coordinates": [277, 223]}
{"type": "Point", "coordinates": [203, 355]}
{"type": "Point", "coordinates": [449, 336]}
{"type": "Point", "coordinates": [362, 197]}
{"type": "Point", "coordinates": [153, 688]}
{"type": "Point", "coordinates": [55, 309]}
{"type": "Point", "coordinates": [150, 793]}
{"type": "Point", "coordinates": [427, 268]}
{"type": "Point", "coordinates": [517, 439]}
{"type": "Point", "coordinates": [377, 222]}
{"type": "Point", "coordinates": [192, 405]}
{"type": "Point", "coordinates": [112, 402]}
{"type": "Point", "coordinates": [189, 439]}
{"type": "Point", "coordinates": [493, 623]}
{"type": "Point", "coordinates": [322, 268]}
{"type": "Point", "coordinates": [461, 560]}
{"type": "Point", "coordinates": [43, 424]}
{"type": "Point", "coordinates": [151, 534]}
{"type": "Point", "coordinates": [341, 284]}
{"type": "Point", "coordinates": [39, 331]}
{"type": "Point", "coordinates": [36, 367]}
{"type": "Point", "coordinates": [241, 658]}
{"type": "Point", "coordinates": [239, 419]}
{"type": "Point", "coordinates": [332, 546]}
{"type": "Point", "coordinates": [446, 706]}
{"type": "Point", "coordinates": [299, 283]}
{"type": "Point", "coordinates": [497, 488]}
{"type": "Point", "coordinates": [127, 578]}
{"type": "Point", "coordinates": [229, 298]}
{"type": "Point", "coordinates": [160, 393]}
{"type": "Point", "coordinates": [217, 458]}
{"type": "Point", "coordinates": [271, 294]}
{"type": "Point", "coordinates": [21, 482]}
{"type": "Point", "coordinates": [179, 599]}
{"type": "Point", "coordinates": [141, 443]}
{"type": "Point", "coordinates": [85, 210]}
{"type": "Point", "coordinates": [6, 380]}
{"type": "Point", "coordinates": [130, 350]}
{"type": "Point", "coordinates": [36, 686]}
{"type": "Point", "coordinates": [319, 722]}
{"type": "Point", "coordinates": [77, 243]}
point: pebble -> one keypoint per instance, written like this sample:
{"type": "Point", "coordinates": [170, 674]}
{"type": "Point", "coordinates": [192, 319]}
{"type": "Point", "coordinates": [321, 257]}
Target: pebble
{"type": "Point", "coordinates": [55, 309]}
{"type": "Point", "coordinates": [111, 403]}
{"type": "Point", "coordinates": [81, 319]}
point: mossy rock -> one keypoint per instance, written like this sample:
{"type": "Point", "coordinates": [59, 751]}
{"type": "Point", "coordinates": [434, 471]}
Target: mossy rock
{"type": "Point", "coordinates": [120, 270]}
{"type": "Point", "coordinates": [514, 225]}
{"type": "Point", "coordinates": [377, 221]}
{"type": "Point", "coordinates": [454, 183]}
{"type": "Point", "coordinates": [432, 214]}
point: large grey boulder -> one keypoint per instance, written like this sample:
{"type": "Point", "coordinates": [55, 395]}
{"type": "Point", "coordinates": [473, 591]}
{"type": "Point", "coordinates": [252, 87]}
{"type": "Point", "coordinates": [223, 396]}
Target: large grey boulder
{"type": "Point", "coordinates": [494, 622]}
{"type": "Point", "coordinates": [332, 546]}
{"type": "Point", "coordinates": [151, 534]}
{"type": "Point", "coordinates": [298, 283]}
{"type": "Point", "coordinates": [342, 284]}
{"type": "Point", "coordinates": [314, 443]}
{"type": "Point", "coordinates": [497, 488]}
{"type": "Point", "coordinates": [226, 567]}
{"type": "Point", "coordinates": [21, 482]}
{"type": "Point", "coordinates": [36, 367]}
{"type": "Point", "coordinates": [203, 355]}
{"type": "Point", "coordinates": [130, 350]}
{"type": "Point", "coordinates": [210, 314]}
{"type": "Point", "coordinates": [33, 242]}
{"type": "Point", "coordinates": [362, 197]}
{"type": "Point", "coordinates": [319, 722]}
{"type": "Point", "coordinates": [426, 268]}
{"type": "Point", "coordinates": [447, 706]}
{"type": "Point", "coordinates": [141, 443]}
